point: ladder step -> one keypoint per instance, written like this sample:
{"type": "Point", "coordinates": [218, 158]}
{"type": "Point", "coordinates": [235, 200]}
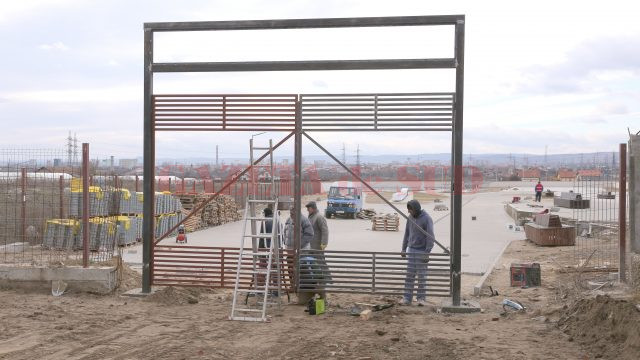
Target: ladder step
{"type": "Point", "coordinates": [261, 201]}
{"type": "Point", "coordinates": [250, 291]}
{"type": "Point", "coordinates": [258, 272]}
{"type": "Point", "coordinates": [248, 310]}
{"type": "Point", "coordinates": [258, 218]}
{"type": "Point", "coordinates": [264, 183]}
{"type": "Point", "coordinates": [265, 253]}
{"type": "Point", "coordinates": [244, 318]}
{"type": "Point", "coordinates": [261, 148]}
{"type": "Point", "coordinates": [261, 235]}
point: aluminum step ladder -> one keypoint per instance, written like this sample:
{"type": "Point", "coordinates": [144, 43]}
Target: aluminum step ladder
{"type": "Point", "coordinates": [265, 270]}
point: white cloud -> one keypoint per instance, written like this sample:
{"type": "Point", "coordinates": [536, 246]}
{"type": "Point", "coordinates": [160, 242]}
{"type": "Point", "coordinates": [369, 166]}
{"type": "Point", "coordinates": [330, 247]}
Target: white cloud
{"type": "Point", "coordinates": [113, 94]}
{"type": "Point", "coordinates": [58, 45]}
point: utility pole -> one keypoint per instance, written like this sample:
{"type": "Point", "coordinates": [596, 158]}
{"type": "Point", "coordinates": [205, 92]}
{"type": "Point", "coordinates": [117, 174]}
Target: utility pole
{"type": "Point", "coordinates": [69, 149]}
{"type": "Point", "coordinates": [358, 156]}
{"type": "Point", "coordinates": [216, 156]}
{"type": "Point", "coordinates": [344, 154]}
{"type": "Point", "coordinates": [75, 148]}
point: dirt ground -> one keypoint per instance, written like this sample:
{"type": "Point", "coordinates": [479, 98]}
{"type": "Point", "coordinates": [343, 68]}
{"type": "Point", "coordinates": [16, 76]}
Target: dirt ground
{"type": "Point", "coordinates": [562, 321]}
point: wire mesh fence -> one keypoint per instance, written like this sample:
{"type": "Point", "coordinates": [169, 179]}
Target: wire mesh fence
{"type": "Point", "coordinates": [594, 203]}
{"type": "Point", "coordinates": [41, 210]}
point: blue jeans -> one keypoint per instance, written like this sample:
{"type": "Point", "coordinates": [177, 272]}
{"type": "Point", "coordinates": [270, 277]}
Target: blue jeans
{"type": "Point", "coordinates": [416, 265]}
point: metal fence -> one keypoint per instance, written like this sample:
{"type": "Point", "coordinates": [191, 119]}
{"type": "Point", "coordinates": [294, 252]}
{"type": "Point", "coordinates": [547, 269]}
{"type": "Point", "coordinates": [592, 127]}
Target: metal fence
{"type": "Point", "coordinates": [365, 272]}
{"type": "Point", "coordinates": [595, 212]}
{"type": "Point", "coordinates": [41, 210]}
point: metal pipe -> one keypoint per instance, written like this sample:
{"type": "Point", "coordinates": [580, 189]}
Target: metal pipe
{"type": "Point", "coordinates": [297, 192]}
{"type": "Point", "coordinates": [305, 23]}
{"type": "Point", "coordinates": [456, 194]}
{"type": "Point", "coordinates": [149, 167]}
{"type": "Point", "coordinates": [622, 217]}
{"type": "Point", "coordinates": [85, 205]}
{"type": "Point", "coordinates": [312, 65]}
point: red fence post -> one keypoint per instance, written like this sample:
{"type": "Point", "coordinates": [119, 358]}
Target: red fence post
{"type": "Point", "coordinates": [61, 186]}
{"type": "Point", "coordinates": [85, 205]}
{"type": "Point", "coordinates": [222, 260]}
{"type": "Point", "coordinates": [622, 218]}
{"type": "Point", "coordinates": [23, 207]}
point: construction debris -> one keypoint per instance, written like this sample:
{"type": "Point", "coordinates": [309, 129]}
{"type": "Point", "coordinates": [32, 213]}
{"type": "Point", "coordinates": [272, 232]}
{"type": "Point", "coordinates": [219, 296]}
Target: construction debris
{"type": "Point", "coordinates": [366, 214]}
{"type": "Point", "coordinates": [440, 207]}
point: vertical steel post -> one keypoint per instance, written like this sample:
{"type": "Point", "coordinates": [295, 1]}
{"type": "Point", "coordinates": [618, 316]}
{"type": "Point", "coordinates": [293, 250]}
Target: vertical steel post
{"type": "Point", "coordinates": [622, 211]}
{"type": "Point", "coordinates": [149, 167]}
{"type": "Point", "coordinates": [23, 204]}
{"type": "Point", "coordinates": [137, 187]}
{"type": "Point", "coordinates": [297, 193]}
{"type": "Point", "coordinates": [85, 205]}
{"type": "Point", "coordinates": [456, 194]}
{"type": "Point", "coordinates": [61, 187]}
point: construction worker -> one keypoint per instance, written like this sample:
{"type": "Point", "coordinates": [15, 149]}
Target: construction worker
{"type": "Point", "coordinates": [305, 228]}
{"type": "Point", "coordinates": [320, 228]}
{"type": "Point", "coordinates": [539, 189]}
{"type": "Point", "coordinates": [320, 240]}
{"type": "Point", "coordinates": [266, 228]}
{"type": "Point", "coordinates": [415, 247]}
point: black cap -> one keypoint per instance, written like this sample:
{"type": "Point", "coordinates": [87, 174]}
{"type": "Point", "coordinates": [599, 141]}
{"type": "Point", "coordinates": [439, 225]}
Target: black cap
{"type": "Point", "coordinates": [311, 204]}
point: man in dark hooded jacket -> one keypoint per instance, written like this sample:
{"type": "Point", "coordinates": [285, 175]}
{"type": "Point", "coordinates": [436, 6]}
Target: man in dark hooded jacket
{"type": "Point", "coordinates": [415, 246]}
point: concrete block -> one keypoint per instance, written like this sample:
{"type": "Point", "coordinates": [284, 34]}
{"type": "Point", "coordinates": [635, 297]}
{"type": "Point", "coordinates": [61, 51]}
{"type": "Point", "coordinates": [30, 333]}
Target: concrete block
{"type": "Point", "coordinates": [102, 280]}
{"type": "Point", "coordinates": [14, 247]}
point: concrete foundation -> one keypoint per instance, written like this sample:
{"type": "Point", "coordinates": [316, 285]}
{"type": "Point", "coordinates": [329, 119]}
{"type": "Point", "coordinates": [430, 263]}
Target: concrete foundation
{"type": "Point", "coordinates": [137, 293]}
{"type": "Point", "coordinates": [101, 280]}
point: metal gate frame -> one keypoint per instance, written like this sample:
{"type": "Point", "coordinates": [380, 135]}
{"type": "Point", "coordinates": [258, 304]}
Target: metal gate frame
{"type": "Point", "coordinates": [457, 63]}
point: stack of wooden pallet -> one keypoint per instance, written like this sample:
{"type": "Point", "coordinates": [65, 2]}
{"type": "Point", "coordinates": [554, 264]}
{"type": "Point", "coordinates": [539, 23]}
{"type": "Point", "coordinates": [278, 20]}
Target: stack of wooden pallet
{"type": "Point", "coordinates": [385, 222]}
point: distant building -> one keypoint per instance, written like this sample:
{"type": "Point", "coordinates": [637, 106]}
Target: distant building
{"type": "Point", "coordinates": [565, 175]}
{"type": "Point", "coordinates": [590, 174]}
{"type": "Point", "coordinates": [529, 174]}
{"type": "Point", "coordinates": [57, 162]}
{"type": "Point", "coordinates": [128, 163]}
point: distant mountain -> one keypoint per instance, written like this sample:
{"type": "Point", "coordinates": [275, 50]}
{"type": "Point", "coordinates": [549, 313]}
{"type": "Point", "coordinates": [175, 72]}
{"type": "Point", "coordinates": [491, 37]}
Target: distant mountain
{"type": "Point", "coordinates": [519, 159]}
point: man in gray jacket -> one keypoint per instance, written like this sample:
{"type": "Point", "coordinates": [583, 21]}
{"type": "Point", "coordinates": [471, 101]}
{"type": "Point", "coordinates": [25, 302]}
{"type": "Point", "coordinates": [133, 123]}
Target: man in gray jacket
{"type": "Point", "coordinates": [320, 241]}
{"type": "Point", "coordinates": [320, 228]}
{"type": "Point", "coordinates": [415, 247]}
{"type": "Point", "coordinates": [305, 228]}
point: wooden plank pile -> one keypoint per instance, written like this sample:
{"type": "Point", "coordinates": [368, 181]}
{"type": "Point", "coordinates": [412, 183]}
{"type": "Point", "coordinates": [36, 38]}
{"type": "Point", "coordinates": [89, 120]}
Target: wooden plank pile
{"type": "Point", "coordinates": [366, 214]}
{"type": "Point", "coordinates": [385, 222]}
{"type": "Point", "coordinates": [217, 212]}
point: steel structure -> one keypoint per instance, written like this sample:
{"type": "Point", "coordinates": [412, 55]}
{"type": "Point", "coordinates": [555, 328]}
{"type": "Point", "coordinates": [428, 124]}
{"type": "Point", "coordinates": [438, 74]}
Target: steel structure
{"type": "Point", "coordinates": [299, 115]}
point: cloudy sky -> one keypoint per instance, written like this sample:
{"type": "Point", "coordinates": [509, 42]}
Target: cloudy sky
{"type": "Point", "coordinates": [554, 73]}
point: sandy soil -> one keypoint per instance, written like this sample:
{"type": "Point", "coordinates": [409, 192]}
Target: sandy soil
{"type": "Point", "coordinates": [179, 323]}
